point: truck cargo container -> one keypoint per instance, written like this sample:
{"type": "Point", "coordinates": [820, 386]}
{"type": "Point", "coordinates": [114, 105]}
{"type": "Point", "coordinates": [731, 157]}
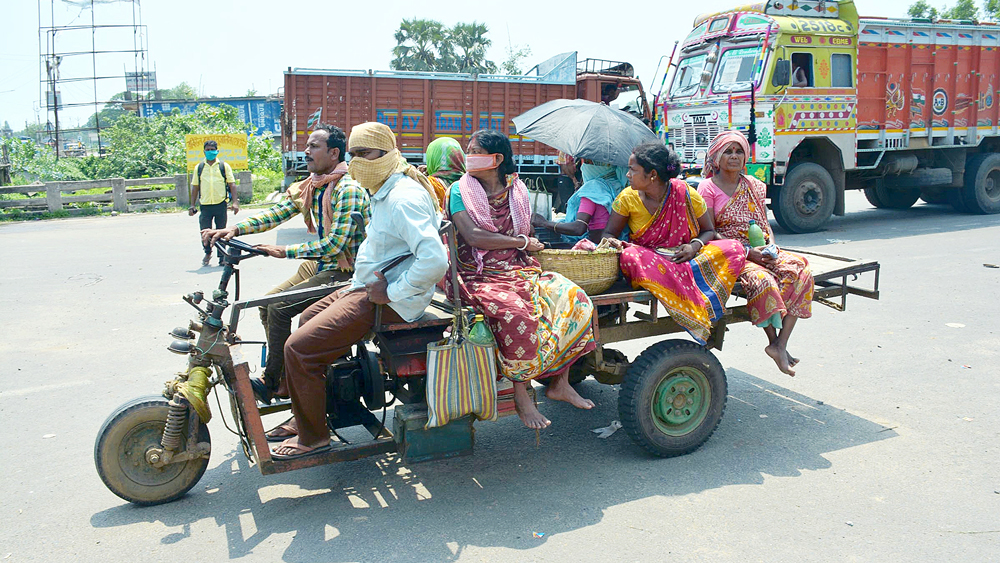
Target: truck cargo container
{"type": "Point", "coordinates": [422, 106]}
{"type": "Point", "coordinates": [261, 114]}
{"type": "Point", "coordinates": [901, 108]}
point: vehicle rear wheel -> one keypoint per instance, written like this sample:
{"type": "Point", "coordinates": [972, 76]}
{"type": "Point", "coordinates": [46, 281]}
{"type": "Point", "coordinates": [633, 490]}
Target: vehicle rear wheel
{"type": "Point", "coordinates": [672, 398]}
{"type": "Point", "coordinates": [981, 192]}
{"type": "Point", "coordinates": [806, 200]}
{"type": "Point", "coordinates": [871, 194]}
{"type": "Point", "coordinates": [934, 196]}
{"type": "Point", "coordinates": [120, 454]}
{"type": "Point", "coordinates": [896, 198]}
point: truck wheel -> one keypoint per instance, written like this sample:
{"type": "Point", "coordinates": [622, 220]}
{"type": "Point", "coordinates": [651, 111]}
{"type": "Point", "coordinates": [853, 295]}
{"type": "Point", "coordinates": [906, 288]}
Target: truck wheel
{"type": "Point", "coordinates": [806, 200]}
{"type": "Point", "coordinates": [672, 398]}
{"type": "Point", "coordinates": [120, 454]}
{"type": "Point", "coordinates": [871, 194]}
{"type": "Point", "coordinates": [935, 196]}
{"type": "Point", "coordinates": [981, 192]}
{"type": "Point", "coordinates": [897, 199]}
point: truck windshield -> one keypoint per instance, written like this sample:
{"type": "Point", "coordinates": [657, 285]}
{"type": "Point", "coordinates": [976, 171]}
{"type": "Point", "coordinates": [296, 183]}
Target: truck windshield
{"type": "Point", "coordinates": [736, 69]}
{"type": "Point", "coordinates": [687, 76]}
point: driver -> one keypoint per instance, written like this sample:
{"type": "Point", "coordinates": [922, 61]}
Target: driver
{"type": "Point", "coordinates": [404, 221]}
{"type": "Point", "coordinates": [325, 200]}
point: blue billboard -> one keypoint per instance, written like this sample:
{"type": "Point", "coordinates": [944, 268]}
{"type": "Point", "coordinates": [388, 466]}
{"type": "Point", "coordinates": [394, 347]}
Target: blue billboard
{"type": "Point", "coordinates": [262, 115]}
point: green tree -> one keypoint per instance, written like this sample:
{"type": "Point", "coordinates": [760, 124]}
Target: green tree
{"type": "Point", "coordinates": [962, 10]}
{"type": "Point", "coordinates": [515, 54]}
{"type": "Point", "coordinates": [182, 91]}
{"type": "Point", "coordinates": [470, 44]}
{"type": "Point", "coordinates": [922, 9]}
{"type": "Point", "coordinates": [418, 44]}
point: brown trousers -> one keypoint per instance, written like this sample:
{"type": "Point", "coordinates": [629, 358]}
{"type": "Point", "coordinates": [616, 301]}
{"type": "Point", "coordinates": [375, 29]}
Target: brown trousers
{"type": "Point", "coordinates": [327, 331]}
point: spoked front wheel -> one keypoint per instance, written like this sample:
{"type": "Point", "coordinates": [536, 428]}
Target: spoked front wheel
{"type": "Point", "coordinates": [120, 454]}
{"type": "Point", "coordinates": [672, 398]}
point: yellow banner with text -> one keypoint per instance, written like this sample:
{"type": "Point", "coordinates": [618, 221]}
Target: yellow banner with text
{"type": "Point", "coordinates": [232, 149]}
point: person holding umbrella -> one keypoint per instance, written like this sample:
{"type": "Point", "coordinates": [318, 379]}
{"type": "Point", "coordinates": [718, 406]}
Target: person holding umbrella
{"type": "Point", "coordinates": [588, 210]}
{"type": "Point", "coordinates": [540, 320]}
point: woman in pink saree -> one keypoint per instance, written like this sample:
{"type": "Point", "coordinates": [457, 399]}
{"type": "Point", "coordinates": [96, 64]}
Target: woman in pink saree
{"type": "Point", "coordinates": [672, 251]}
{"type": "Point", "coordinates": [779, 289]}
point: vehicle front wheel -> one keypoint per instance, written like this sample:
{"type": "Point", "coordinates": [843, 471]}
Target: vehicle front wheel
{"type": "Point", "coordinates": [120, 454]}
{"type": "Point", "coordinates": [806, 200]}
{"type": "Point", "coordinates": [672, 398]}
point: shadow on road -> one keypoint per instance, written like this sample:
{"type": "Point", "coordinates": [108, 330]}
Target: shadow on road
{"type": "Point", "coordinates": [374, 508]}
{"type": "Point", "coordinates": [884, 224]}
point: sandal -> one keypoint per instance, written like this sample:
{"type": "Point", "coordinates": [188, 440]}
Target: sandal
{"type": "Point", "coordinates": [272, 435]}
{"type": "Point", "coordinates": [303, 451]}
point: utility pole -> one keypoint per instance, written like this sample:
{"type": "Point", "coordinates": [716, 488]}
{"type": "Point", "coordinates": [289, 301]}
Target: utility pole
{"type": "Point", "coordinates": [52, 65]}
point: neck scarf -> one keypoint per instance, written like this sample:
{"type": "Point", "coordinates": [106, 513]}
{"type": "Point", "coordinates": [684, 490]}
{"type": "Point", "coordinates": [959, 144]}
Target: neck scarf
{"type": "Point", "coordinates": [309, 188]}
{"type": "Point", "coordinates": [477, 205]}
{"type": "Point", "coordinates": [719, 145]}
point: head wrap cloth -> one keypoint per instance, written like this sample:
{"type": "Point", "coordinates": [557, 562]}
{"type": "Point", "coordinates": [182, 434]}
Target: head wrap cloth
{"type": "Point", "coordinates": [373, 135]}
{"type": "Point", "coordinates": [718, 146]}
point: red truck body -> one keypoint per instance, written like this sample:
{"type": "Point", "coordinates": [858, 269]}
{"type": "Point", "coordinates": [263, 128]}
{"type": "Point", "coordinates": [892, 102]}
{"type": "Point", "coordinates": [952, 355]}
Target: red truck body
{"type": "Point", "coordinates": [422, 106]}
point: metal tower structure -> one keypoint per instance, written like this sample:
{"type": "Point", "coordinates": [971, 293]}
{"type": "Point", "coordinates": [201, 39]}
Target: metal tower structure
{"type": "Point", "coordinates": [89, 51]}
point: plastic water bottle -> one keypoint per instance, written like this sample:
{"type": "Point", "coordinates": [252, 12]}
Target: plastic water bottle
{"type": "Point", "coordinates": [755, 235]}
{"type": "Point", "coordinates": [480, 332]}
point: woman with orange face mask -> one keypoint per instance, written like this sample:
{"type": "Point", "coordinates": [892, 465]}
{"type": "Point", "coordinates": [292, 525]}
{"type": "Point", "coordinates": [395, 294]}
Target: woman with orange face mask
{"type": "Point", "coordinates": [540, 320]}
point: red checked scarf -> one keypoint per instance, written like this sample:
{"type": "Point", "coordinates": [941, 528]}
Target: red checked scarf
{"type": "Point", "coordinates": [309, 187]}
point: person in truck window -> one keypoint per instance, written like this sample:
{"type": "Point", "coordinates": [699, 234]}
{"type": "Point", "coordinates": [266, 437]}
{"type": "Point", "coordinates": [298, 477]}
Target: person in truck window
{"type": "Point", "coordinates": [800, 70]}
{"type": "Point", "coordinates": [672, 252]}
{"type": "Point", "coordinates": [779, 288]}
{"type": "Point", "coordinates": [540, 320]}
{"type": "Point", "coordinates": [589, 208]}
{"type": "Point", "coordinates": [445, 164]}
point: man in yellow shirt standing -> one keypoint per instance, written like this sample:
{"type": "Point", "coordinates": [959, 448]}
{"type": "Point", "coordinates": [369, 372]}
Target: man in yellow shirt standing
{"type": "Point", "coordinates": [212, 185]}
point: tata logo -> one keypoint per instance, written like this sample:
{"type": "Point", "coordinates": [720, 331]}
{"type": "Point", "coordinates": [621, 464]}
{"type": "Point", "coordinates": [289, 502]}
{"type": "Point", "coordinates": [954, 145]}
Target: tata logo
{"type": "Point", "coordinates": [699, 119]}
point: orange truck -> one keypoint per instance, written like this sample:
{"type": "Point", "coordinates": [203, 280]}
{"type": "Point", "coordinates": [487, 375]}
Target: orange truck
{"type": "Point", "coordinates": [901, 108]}
{"type": "Point", "coordinates": [422, 106]}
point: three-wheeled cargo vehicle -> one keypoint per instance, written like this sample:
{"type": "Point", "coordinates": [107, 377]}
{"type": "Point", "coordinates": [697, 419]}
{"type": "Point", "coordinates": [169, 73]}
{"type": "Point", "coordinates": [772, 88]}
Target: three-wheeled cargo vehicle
{"type": "Point", "coordinates": [153, 449]}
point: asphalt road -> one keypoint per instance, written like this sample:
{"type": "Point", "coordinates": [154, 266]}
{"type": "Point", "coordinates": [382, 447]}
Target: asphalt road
{"type": "Point", "coordinates": [884, 447]}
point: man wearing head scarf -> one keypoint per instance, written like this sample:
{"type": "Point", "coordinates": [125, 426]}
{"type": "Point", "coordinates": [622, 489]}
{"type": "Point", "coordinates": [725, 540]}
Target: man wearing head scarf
{"type": "Point", "coordinates": [404, 223]}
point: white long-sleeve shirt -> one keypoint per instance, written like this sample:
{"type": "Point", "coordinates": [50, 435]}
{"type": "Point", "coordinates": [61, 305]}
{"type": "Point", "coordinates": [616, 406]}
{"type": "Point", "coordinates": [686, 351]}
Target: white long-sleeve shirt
{"type": "Point", "coordinates": [404, 221]}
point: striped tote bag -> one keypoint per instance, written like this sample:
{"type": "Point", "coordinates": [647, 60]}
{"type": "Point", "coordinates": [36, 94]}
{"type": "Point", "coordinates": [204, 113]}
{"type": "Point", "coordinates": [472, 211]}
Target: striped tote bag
{"type": "Point", "coordinates": [461, 379]}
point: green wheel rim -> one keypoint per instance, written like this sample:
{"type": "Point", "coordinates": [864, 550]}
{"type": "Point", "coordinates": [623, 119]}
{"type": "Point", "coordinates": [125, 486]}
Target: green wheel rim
{"type": "Point", "coordinates": [680, 402]}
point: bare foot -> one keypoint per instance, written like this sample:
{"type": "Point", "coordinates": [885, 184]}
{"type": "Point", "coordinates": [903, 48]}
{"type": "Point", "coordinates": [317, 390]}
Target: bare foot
{"type": "Point", "coordinates": [526, 409]}
{"type": "Point", "coordinates": [792, 360]}
{"type": "Point", "coordinates": [561, 390]}
{"type": "Point", "coordinates": [780, 357]}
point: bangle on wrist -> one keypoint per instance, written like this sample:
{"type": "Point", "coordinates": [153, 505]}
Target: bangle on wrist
{"type": "Point", "coordinates": [527, 241]}
{"type": "Point", "coordinates": [699, 241]}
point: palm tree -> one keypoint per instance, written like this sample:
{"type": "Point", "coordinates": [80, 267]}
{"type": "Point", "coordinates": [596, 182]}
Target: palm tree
{"type": "Point", "coordinates": [417, 43]}
{"type": "Point", "coordinates": [471, 43]}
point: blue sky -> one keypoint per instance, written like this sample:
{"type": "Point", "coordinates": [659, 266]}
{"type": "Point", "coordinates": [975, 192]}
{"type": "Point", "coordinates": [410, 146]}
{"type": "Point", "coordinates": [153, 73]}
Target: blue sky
{"type": "Point", "coordinates": [227, 47]}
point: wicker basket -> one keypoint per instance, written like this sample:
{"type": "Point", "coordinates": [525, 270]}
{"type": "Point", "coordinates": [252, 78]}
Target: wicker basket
{"type": "Point", "coordinates": [594, 271]}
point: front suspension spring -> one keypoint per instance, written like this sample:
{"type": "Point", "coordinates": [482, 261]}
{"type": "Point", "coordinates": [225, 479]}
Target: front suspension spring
{"type": "Point", "coordinates": [176, 417]}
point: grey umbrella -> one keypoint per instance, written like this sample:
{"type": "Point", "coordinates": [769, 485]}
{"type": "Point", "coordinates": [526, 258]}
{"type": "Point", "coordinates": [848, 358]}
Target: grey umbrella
{"type": "Point", "coordinates": [585, 129]}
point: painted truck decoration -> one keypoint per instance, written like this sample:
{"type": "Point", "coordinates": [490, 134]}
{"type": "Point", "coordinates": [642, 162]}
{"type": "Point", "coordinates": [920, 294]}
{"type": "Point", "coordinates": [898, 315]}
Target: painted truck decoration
{"type": "Point", "coordinates": [903, 109]}
{"type": "Point", "coordinates": [422, 106]}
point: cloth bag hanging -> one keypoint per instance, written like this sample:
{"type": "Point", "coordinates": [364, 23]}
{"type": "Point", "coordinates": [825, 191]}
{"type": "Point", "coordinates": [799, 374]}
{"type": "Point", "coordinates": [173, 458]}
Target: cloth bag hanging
{"type": "Point", "coordinates": [461, 374]}
{"type": "Point", "coordinates": [461, 378]}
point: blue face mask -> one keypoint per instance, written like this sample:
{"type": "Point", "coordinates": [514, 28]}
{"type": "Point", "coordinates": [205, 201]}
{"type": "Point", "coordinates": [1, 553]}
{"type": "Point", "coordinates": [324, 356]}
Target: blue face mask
{"type": "Point", "coordinates": [210, 155]}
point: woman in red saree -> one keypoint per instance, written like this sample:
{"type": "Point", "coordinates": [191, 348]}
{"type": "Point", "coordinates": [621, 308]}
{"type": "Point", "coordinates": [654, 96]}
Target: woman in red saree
{"type": "Point", "coordinates": [779, 289]}
{"type": "Point", "coordinates": [540, 320]}
{"type": "Point", "coordinates": [672, 252]}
